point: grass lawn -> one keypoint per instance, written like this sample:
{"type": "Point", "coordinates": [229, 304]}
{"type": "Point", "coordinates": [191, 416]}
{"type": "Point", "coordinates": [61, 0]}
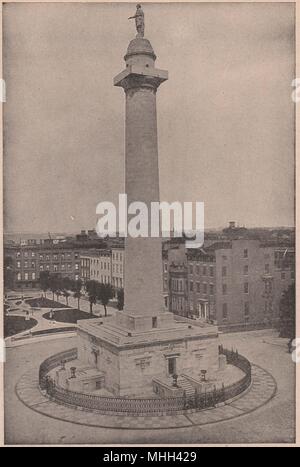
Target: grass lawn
{"type": "Point", "coordinates": [43, 302]}
{"type": "Point", "coordinates": [69, 316]}
{"type": "Point", "coordinates": [15, 324]}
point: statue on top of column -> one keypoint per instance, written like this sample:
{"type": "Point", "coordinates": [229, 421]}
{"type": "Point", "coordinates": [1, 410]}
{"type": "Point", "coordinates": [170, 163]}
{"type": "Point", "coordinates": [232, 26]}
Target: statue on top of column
{"type": "Point", "coordinates": [139, 21]}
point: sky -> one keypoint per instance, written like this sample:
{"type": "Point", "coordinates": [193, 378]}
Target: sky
{"type": "Point", "coordinates": [225, 116]}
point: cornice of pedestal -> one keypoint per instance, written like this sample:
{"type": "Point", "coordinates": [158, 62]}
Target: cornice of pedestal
{"type": "Point", "coordinates": [135, 77]}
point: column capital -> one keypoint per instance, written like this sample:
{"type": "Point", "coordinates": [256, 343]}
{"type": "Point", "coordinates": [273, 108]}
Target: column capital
{"type": "Point", "coordinates": [135, 77]}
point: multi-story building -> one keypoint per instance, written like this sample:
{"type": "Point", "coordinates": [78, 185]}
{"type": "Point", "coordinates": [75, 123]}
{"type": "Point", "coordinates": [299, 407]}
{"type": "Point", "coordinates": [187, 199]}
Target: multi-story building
{"type": "Point", "coordinates": [27, 261]}
{"type": "Point", "coordinates": [85, 267]}
{"type": "Point", "coordinates": [232, 282]}
{"type": "Point", "coordinates": [117, 266]}
{"type": "Point", "coordinates": [100, 266]}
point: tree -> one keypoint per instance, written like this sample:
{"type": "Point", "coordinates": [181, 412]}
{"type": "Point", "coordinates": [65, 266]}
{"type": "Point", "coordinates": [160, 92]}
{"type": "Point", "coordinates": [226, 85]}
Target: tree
{"type": "Point", "coordinates": [92, 291]}
{"type": "Point", "coordinates": [52, 284]}
{"type": "Point", "coordinates": [104, 293]}
{"type": "Point", "coordinates": [77, 285]}
{"type": "Point", "coordinates": [66, 286]}
{"type": "Point", "coordinates": [8, 273]}
{"type": "Point", "coordinates": [287, 313]}
{"type": "Point", "coordinates": [45, 281]}
{"type": "Point", "coordinates": [120, 297]}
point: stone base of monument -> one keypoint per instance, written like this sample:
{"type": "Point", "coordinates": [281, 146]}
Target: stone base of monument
{"type": "Point", "coordinates": [131, 354]}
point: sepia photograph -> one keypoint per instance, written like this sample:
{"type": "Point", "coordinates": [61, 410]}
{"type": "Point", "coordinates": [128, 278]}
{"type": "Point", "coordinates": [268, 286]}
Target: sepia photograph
{"type": "Point", "coordinates": [149, 199]}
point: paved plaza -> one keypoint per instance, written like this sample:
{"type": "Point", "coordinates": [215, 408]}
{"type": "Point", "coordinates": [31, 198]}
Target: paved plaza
{"type": "Point", "coordinates": [272, 422]}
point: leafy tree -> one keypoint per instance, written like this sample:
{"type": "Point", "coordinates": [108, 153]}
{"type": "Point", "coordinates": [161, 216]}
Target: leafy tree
{"type": "Point", "coordinates": [8, 273]}
{"type": "Point", "coordinates": [120, 297]}
{"type": "Point", "coordinates": [66, 284]}
{"type": "Point", "coordinates": [287, 313]}
{"type": "Point", "coordinates": [45, 281]}
{"type": "Point", "coordinates": [92, 288]}
{"type": "Point", "coordinates": [77, 286]}
{"type": "Point", "coordinates": [104, 293]}
{"type": "Point", "coordinates": [66, 294]}
{"type": "Point", "coordinates": [52, 284]}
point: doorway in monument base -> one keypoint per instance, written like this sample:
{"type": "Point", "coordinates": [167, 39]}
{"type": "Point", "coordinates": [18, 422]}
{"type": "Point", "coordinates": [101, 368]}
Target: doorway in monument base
{"type": "Point", "coordinates": [171, 366]}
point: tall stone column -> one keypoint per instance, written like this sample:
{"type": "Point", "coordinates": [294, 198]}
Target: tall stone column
{"type": "Point", "coordinates": [143, 256]}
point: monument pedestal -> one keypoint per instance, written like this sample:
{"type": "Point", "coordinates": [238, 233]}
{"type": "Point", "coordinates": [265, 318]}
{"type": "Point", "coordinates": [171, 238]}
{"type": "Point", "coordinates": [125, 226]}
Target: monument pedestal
{"type": "Point", "coordinates": [130, 357]}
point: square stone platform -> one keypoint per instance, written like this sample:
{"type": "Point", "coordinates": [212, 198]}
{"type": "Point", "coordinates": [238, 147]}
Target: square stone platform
{"type": "Point", "coordinates": [131, 350]}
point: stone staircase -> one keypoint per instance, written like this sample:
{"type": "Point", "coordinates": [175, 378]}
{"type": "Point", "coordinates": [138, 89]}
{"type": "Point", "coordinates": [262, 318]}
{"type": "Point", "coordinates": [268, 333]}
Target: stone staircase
{"type": "Point", "coordinates": [185, 384]}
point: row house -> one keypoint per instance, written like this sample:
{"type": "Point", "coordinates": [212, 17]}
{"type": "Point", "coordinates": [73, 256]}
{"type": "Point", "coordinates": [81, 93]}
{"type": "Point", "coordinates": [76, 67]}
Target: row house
{"type": "Point", "coordinates": [28, 261]}
{"type": "Point", "coordinates": [232, 283]}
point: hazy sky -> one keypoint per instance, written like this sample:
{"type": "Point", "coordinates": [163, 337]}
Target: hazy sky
{"type": "Point", "coordinates": [225, 117]}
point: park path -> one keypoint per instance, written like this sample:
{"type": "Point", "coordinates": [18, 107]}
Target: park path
{"type": "Point", "coordinates": [45, 324]}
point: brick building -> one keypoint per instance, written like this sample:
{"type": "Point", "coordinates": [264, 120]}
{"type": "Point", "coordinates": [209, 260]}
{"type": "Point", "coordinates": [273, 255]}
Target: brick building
{"type": "Point", "coordinates": [232, 282]}
{"type": "Point", "coordinates": [28, 260]}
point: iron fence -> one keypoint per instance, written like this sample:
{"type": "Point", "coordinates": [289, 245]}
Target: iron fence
{"type": "Point", "coordinates": [143, 406]}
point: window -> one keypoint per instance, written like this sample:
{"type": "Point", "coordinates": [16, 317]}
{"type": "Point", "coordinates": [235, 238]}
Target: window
{"type": "Point", "coordinates": [211, 271]}
{"type": "Point", "coordinates": [55, 267]}
{"type": "Point", "coordinates": [76, 277]}
{"type": "Point", "coordinates": [198, 287]}
{"type": "Point", "coordinates": [76, 255]}
{"type": "Point", "coordinates": [33, 264]}
{"type": "Point", "coordinates": [154, 322]}
{"type": "Point", "coordinates": [33, 254]}
{"type": "Point", "coordinates": [224, 257]}
{"type": "Point", "coordinates": [165, 267]}
{"type": "Point", "coordinates": [211, 289]}
{"type": "Point", "coordinates": [197, 269]}
{"type": "Point", "coordinates": [54, 256]}
{"type": "Point", "coordinates": [204, 270]}
{"type": "Point", "coordinates": [246, 269]}
{"type": "Point", "coordinates": [191, 269]}
{"type": "Point", "coordinates": [283, 275]}
{"type": "Point", "coordinates": [224, 271]}
{"type": "Point", "coordinates": [18, 254]}
{"type": "Point", "coordinates": [204, 288]}
{"type": "Point", "coordinates": [267, 268]}
{"type": "Point", "coordinates": [246, 308]}
{"type": "Point", "coordinates": [77, 266]}
{"type": "Point", "coordinates": [246, 287]}
{"type": "Point", "coordinates": [33, 276]}
{"type": "Point", "coordinates": [41, 257]}
{"type": "Point", "coordinates": [62, 267]}
{"type": "Point", "coordinates": [191, 286]}
{"type": "Point", "coordinates": [25, 264]}
{"type": "Point", "coordinates": [224, 311]}
{"type": "Point", "coordinates": [41, 267]}
{"type": "Point", "coordinates": [18, 264]}
{"type": "Point", "coordinates": [26, 276]}
{"type": "Point", "coordinates": [47, 258]}
{"type": "Point", "coordinates": [19, 276]}
{"type": "Point", "coordinates": [224, 289]}
{"type": "Point", "coordinates": [25, 254]}
{"type": "Point", "coordinates": [245, 253]}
